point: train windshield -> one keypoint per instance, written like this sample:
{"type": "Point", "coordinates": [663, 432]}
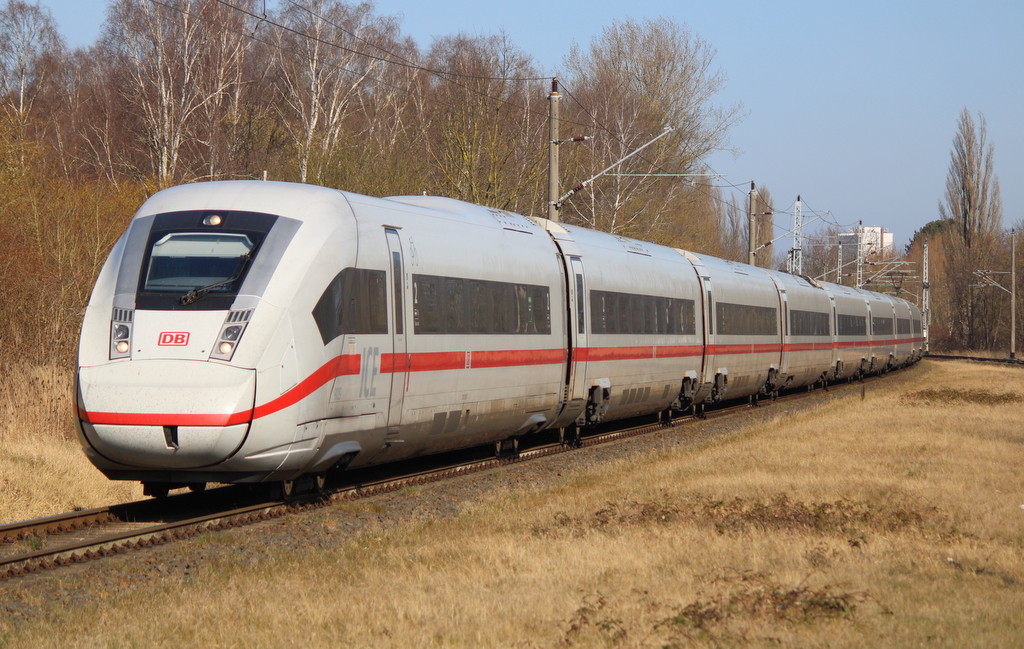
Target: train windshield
{"type": "Point", "coordinates": [187, 261]}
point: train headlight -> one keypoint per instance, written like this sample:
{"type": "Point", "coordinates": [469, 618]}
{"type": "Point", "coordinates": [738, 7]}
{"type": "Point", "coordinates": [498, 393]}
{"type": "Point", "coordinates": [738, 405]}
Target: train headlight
{"type": "Point", "coordinates": [213, 219]}
{"type": "Point", "coordinates": [121, 333]}
{"type": "Point", "coordinates": [230, 333]}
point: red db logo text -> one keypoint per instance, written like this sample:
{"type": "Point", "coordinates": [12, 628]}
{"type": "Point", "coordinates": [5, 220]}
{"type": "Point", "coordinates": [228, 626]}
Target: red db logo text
{"type": "Point", "coordinates": [173, 339]}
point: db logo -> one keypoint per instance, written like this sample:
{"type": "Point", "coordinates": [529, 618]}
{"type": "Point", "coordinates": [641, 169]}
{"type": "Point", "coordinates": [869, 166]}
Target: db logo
{"type": "Point", "coordinates": [173, 339]}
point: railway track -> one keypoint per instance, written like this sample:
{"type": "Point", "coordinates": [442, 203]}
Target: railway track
{"type": "Point", "coordinates": [47, 543]}
{"type": "Point", "coordinates": [1004, 361]}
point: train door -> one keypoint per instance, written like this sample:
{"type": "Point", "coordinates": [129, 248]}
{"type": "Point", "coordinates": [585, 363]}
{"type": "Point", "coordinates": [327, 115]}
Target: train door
{"type": "Point", "coordinates": [837, 358]}
{"type": "Point", "coordinates": [785, 349]}
{"type": "Point", "coordinates": [709, 373]}
{"type": "Point", "coordinates": [577, 326]}
{"type": "Point", "coordinates": [399, 363]}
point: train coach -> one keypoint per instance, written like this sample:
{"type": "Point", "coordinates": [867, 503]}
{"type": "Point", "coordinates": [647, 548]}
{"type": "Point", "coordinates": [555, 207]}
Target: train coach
{"type": "Point", "coordinates": [248, 331]}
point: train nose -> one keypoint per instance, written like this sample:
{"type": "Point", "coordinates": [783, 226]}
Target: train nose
{"type": "Point", "coordinates": [166, 413]}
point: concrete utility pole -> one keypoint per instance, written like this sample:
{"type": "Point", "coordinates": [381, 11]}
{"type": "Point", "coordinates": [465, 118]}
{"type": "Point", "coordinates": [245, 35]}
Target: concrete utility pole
{"type": "Point", "coordinates": [751, 224]}
{"type": "Point", "coordinates": [553, 143]}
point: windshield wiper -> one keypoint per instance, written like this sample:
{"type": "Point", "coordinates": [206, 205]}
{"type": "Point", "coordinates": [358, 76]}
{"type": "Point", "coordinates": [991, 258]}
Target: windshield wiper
{"type": "Point", "coordinates": [198, 292]}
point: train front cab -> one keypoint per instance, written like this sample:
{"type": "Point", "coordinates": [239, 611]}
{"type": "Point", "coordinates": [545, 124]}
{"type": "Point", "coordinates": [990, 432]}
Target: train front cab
{"type": "Point", "coordinates": [174, 337]}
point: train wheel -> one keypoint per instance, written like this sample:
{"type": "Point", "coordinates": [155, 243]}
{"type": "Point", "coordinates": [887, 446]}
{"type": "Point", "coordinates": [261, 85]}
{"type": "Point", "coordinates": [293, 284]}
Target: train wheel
{"type": "Point", "coordinates": [570, 436]}
{"type": "Point", "coordinates": [320, 482]}
{"type": "Point", "coordinates": [287, 489]}
{"type": "Point", "coordinates": [507, 448]}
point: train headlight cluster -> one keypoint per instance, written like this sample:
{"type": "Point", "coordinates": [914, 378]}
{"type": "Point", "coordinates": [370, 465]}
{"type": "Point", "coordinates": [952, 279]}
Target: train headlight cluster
{"type": "Point", "coordinates": [230, 333]}
{"type": "Point", "coordinates": [121, 333]}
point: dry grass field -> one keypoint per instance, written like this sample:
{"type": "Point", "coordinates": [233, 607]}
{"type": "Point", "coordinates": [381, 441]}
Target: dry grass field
{"type": "Point", "coordinates": [893, 521]}
{"type": "Point", "coordinates": [42, 468]}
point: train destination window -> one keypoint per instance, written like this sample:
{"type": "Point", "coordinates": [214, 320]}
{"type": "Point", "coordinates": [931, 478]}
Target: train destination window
{"type": "Point", "coordinates": [852, 325]}
{"type": "Point", "coordinates": [181, 261]}
{"type": "Point", "coordinates": [455, 305]}
{"type": "Point", "coordinates": [625, 313]}
{"type": "Point", "coordinates": [881, 326]}
{"type": "Point", "coordinates": [198, 260]}
{"type": "Point", "coordinates": [355, 302]}
{"type": "Point", "coordinates": [746, 320]}
{"type": "Point", "coordinates": [808, 323]}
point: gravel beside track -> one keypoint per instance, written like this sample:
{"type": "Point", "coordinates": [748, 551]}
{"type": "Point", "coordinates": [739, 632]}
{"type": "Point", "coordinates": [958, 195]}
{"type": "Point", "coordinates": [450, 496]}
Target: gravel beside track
{"type": "Point", "coordinates": [39, 596]}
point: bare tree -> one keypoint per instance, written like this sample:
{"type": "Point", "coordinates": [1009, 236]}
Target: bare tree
{"type": "Point", "coordinates": [164, 48]}
{"type": "Point", "coordinates": [486, 122]}
{"type": "Point", "coordinates": [972, 211]}
{"type": "Point", "coordinates": [30, 47]}
{"type": "Point", "coordinates": [636, 79]}
{"type": "Point", "coordinates": [325, 54]}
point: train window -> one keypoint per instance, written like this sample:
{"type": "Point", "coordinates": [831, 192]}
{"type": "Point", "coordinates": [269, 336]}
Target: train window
{"type": "Point", "coordinates": [426, 303]}
{"type": "Point", "coordinates": [521, 307]}
{"type": "Point", "coordinates": [454, 304]}
{"type": "Point", "coordinates": [852, 325]}
{"type": "Point", "coordinates": [917, 325]}
{"type": "Point", "coordinates": [194, 262]}
{"type": "Point", "coordinates": [355, 302]}
{"type": "Point", "coordinates": [902, 326]}
{"type": "Point", "coordinates": [710, 309]}
{"type": "Point", "coordinates": [622, 313]}
{"type": "Point", "coordinates": [396, 269]}
{"type": "Point", "coordinates": [746, 320]}
{"type": "Point", "coordinates": [478, 314]}
{"type": "Point", "coordinates": [540, 311]}
{"type": "Point", "coordinates": [686, 309]}
{"type": "Point", "coordinates": [479, 307]}
{"type": "Point", "coordinates": [808, 323]}
{"type": "Point", "coordinates": [501, 307]}
{"type": "Point", "coordinates": [881, 326]}
{"type": "Point", "coordinates": [579, 302]}
{"type": "Point", "coordinates": [182, 261]}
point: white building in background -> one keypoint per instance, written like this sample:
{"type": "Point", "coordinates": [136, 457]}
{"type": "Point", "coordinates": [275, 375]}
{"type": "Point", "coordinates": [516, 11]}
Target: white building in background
{"type": "Point", "coordinates": [873, 240]}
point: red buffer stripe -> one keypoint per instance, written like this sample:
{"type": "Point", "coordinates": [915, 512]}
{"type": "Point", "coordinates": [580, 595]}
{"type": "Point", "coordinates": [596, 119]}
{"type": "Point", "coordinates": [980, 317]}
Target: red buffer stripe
{"type": "Point", "coordinates": [769, 348]}
{"type": "Point", "coordinates": [589, 354]}
{"type": "Point", "coordinates": [344, 365]}
{"type": "Point", "coordinates": [349, 364]}
{"type": "Point", "coordinates": [163, 419]}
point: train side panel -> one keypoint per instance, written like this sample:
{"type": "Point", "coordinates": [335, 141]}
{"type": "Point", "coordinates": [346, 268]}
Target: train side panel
{"type": "Point", "coordinates": [744, 338]}
{"type": "Point", "coordinates": [638, 338]}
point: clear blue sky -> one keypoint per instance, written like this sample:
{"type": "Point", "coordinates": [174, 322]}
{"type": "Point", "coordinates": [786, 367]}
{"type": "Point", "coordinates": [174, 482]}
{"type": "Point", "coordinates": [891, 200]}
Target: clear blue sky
{"type": "Point", "coordinates": [852, 105]}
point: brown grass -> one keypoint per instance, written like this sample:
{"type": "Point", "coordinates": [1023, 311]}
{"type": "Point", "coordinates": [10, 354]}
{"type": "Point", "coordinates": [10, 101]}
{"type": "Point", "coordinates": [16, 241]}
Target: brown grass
{"type": "Point", "coordinates": [895, 521]}
{"type": "Point", "coordinates": [42, 468]}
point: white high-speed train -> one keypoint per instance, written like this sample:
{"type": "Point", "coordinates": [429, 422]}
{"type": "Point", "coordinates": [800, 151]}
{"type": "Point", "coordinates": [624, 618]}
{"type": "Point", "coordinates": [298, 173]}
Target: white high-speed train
{"type": "Point", "coordinates": [249, 331]}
